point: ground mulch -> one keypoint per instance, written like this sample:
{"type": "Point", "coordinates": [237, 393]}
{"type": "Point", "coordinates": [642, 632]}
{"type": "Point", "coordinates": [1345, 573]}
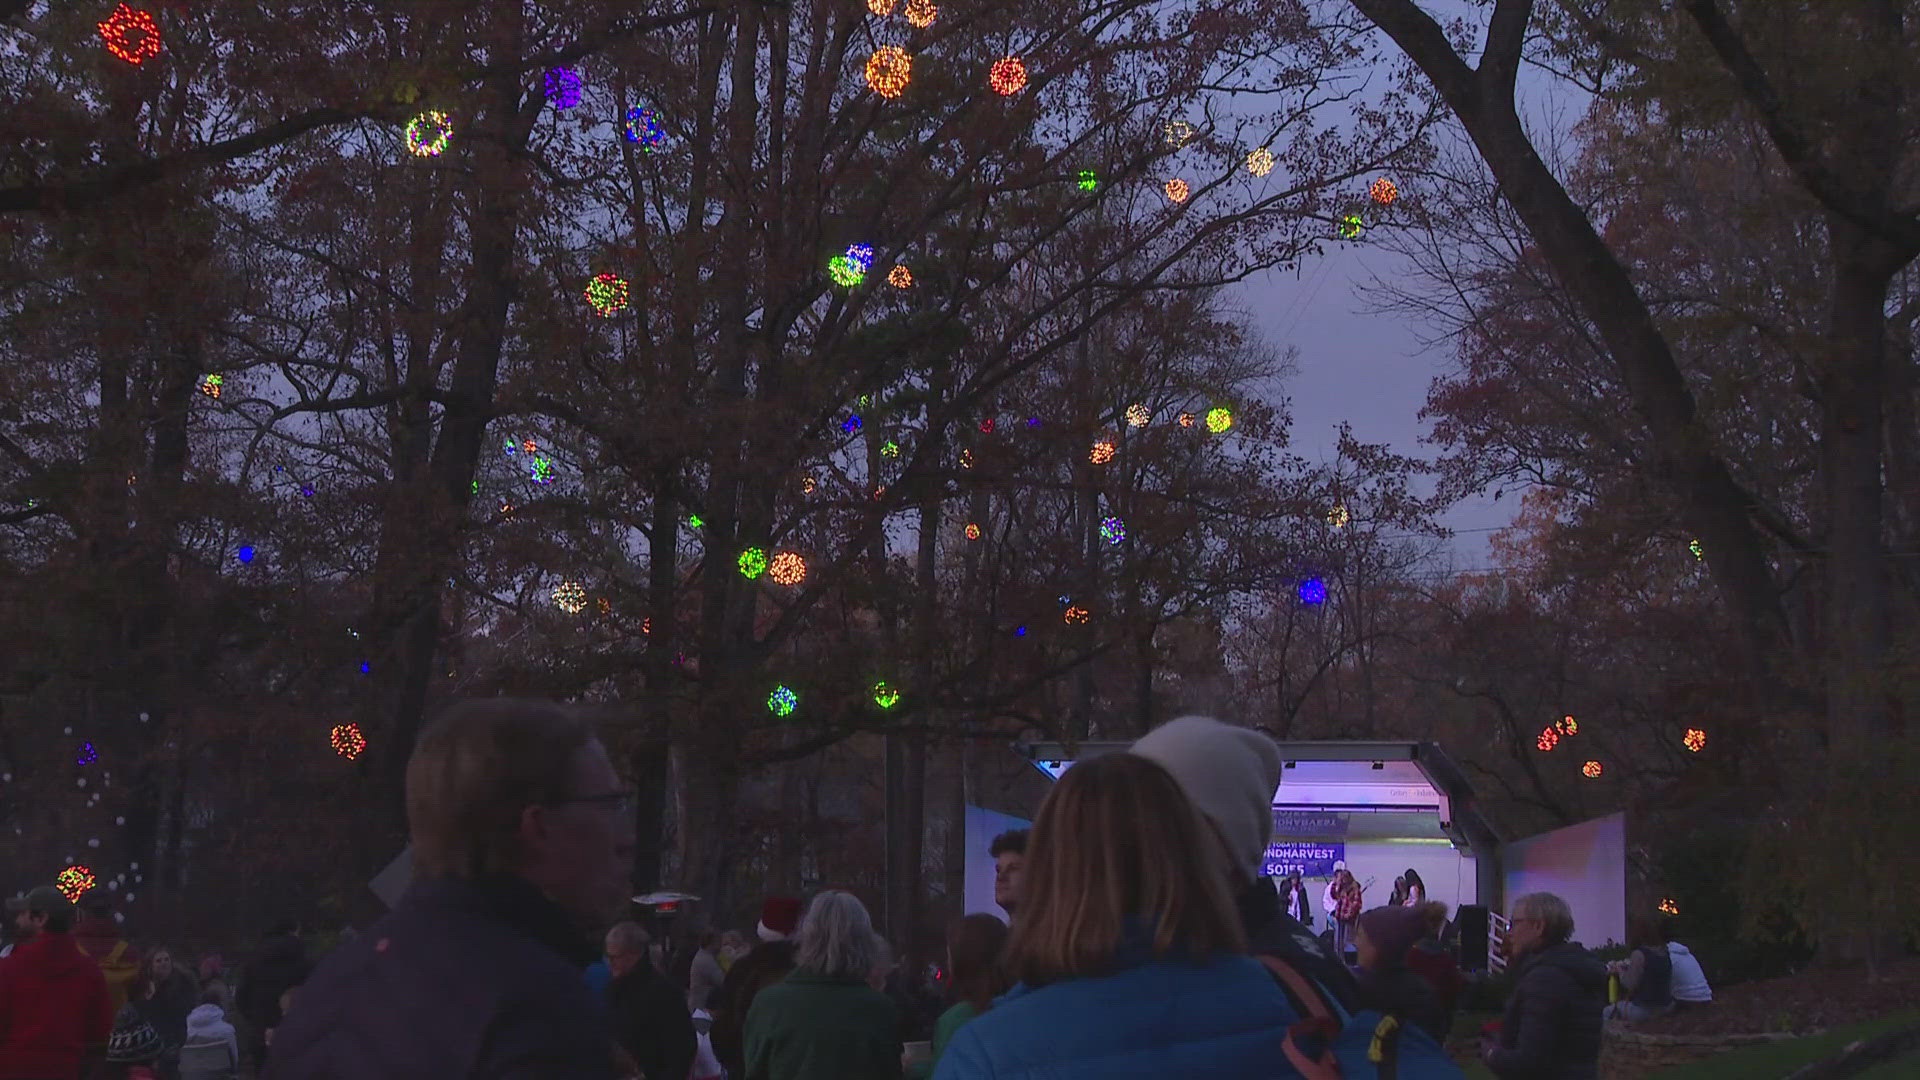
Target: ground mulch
{"type": "Point", "coordinates": [1810, 1001]}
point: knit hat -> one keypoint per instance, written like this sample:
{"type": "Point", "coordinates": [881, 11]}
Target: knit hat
{"type": "Point", "coordinates": [1229, 773]}
{"type": "Point", "coordinates": [779, 917]}
{"type": "Point", "coordinates": [133, 1039]}
{"type": "Point", "coordinates": [1393, 930]}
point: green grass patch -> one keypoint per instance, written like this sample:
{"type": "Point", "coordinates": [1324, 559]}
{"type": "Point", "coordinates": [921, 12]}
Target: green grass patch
{"type": "Point", "coordinates": [1771, 1060]}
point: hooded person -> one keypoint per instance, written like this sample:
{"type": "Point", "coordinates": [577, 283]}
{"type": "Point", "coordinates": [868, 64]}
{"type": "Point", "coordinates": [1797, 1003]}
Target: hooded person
{"type": "Point", "coordinates": [1230, 774]}
{"type": "Point", "coordinates": [54, 1005]}
{"type": "Point", "coordinates": [769, 962]}
{"type": "Point", "coordinates": [207, 1025]}
{"type": "Point", "coordinates": [1386, 935]}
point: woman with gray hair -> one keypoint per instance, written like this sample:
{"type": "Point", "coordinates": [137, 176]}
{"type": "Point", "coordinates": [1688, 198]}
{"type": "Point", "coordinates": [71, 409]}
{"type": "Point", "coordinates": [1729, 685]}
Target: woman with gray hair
{"type": "Point", "coordinates": [1551, 1030]}
{"type": "Point", "coordinates": [824, 1022]}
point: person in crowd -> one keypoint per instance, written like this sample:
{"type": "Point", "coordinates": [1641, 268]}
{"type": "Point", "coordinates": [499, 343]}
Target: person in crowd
{"type": "Point", "coordinates": [1230, 774]}
{"type": "Point", "coordinates": [280, 963]}
{"type": "Point", "coordinates": [97, 935]}
{"type": "Point", "coordinates": [705, 975]}
{"type": "Point", "coordinates": [1646, 975]}
{"type": "Point", "coordinates": [1342, 902]}
{"type": "Point", "coordinates": [134, 1048]}
{"type": "Point", "coordinates": [212, 966]}
{"type": "Point", "coordinates": [207, 1025]}
{"type": "Point", "coordinates": [286, 1006]}
{"type": "Point", "coordinates": [1382, 939]}
{"type": "Point", "coordinates": [1293, 893]}
{"type": "Point", "coordinates": [164, 994]}
{"type": "Point", "coordinates": [1009, 851]}
{"type": "Point", "coordinates": [1431, 959]}
{"type": "Point", "coordinates": [884, 965]}
{"type": "Point", "coordinates": [1129, 957]}
{"type": "Point", "coordinates": [1416, 890]}
{"type": "Point", "coordinates": [1399, 897]}
{"type": "Point", "coordinates": [1690, 988]}
{"type": "Point", "coordinates": [824, 1021]}
{"type": "Point", "coordinates": [648, 1013]}
{"type": "Point", "coordinates": [766, 964]}
{"type": "Point", "coordinates": [54, 1005]}
{"type": "Point", "coordinates": [522, 841]}
{"type": "Point", "coordinates": [1552, 1024]}
{"type": "Point", "coordinates": [733, 946]}
{"type": "Point", "coordinates": [976, 944]}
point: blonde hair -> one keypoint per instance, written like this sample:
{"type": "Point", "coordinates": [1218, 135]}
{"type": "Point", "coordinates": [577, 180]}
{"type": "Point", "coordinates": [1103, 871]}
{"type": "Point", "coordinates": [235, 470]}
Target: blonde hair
{"type": "Point", "coordinates": [836, 938]}
{"type": "Point", "coordinates": [475, 770]}
{"type": "Point", "coordinates": [1117, 840]}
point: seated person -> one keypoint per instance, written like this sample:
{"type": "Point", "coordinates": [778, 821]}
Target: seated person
{"type": "Point", "coordinates": [1646, 975]}
{"type": "Point", "coordinates": [1690, 989]}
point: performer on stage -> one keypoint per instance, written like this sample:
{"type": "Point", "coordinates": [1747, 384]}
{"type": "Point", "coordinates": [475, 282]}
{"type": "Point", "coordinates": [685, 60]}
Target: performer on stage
{"type": "Point", "coordinates": [1342, 903]}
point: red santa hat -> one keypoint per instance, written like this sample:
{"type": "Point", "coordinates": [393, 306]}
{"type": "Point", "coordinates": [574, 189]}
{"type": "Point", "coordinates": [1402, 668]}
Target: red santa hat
{"type": "Point", "coordinates": [779, 917]}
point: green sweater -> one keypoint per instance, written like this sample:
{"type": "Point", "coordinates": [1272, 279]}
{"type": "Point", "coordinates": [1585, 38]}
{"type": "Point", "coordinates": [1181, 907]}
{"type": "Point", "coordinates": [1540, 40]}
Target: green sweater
{"type": "Point", "coordinates": [950, 1021]}
{"type": "Point", "coordinates": [813, 1027]}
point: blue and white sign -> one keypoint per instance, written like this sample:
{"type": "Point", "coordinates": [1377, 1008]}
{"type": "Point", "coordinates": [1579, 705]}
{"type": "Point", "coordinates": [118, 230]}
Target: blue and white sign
{"type": "Point", "coordinates": [1308, 823]}
{"type": "Point", "coordinates": [1306, 858]}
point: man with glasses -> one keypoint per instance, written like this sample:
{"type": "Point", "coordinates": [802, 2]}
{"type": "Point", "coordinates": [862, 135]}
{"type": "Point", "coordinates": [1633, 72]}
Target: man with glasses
{"type": "Point", "coordinates": [1552, 1023]}
{"type": "Point", "coordinates": [522, 845]}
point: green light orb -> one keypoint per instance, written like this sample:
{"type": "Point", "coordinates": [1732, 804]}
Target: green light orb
{"type": "Point", "coordinates": [782, 701]}
{"type": "Point", "coordinates": [845, 272]}
{"type": "Point", "coordinates": [1219, 419]}
{"type": "Point", "coordinates": [1088, 180]}
{"type": "Point", "coordinates": [753, 563]}
{"type": "Point", "coordinates": [885, 695]}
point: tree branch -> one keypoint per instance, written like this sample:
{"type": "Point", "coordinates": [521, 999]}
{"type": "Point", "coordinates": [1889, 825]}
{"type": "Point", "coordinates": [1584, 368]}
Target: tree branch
{"type": "Point", "coordinates": [1506, 33]}
{"type": "Point", "coordinates": [1426, 43]}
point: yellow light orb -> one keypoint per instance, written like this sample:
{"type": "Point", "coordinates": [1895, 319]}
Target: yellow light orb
{"type": "Point", "coordinates": [1076, 615]}
{"type": "Point", "coordinates": [1186, 419]}
{"type": "Point", "coordinates": [1138, 416]}
{"type": "Point", "coordinates": [889, 70]}
{"type": "Point", "coordinates": [973, 531]}
{"type": "Point", "coordinates": [882, 8]}
{"type": "Point", "coordinates": [1178, 132]}
{"type": "Point", "coordinates": [1219, 419]}
{"type": "Point", "coordinates": [1338, 517]}
{"type": "Point", "coordinates": [1177, 191]}
{"type": "Point", "coordinates": [1694, 740]}
{"type": "Point", "coordinates": [570, 597]}
{"type": "Point", "coordinates": [1591, 770]}
{"type": "Point", "coordinates": [921, 13]}
{"type": "Point", "coordinates": [787, 568]}
{"type": "Point", "coordinates": [1260, 162]}
{"type": "Point", "coordinates": [1102, 452]}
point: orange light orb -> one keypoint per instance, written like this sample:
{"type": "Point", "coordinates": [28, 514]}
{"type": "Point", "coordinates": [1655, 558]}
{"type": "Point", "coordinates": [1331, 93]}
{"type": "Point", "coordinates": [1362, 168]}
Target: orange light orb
{"type": "Point", "coordinates": [1008, 77]}
{"type": "Point", "coordinates": [882, 8]}
{"type": "Point", "coordinates": [1260, 162]}
{"type": "Point", "coordinates": [889, 70]}
{"type": "Point", "coordinates": [788, 568]}
{"type": "Point", "coordinates": [900, 277]}
{"type": "Point", "coordinates": [1591, 770]}
{"type": "Point", "coordinates": [347, 740]}
{"type": "Point", "coordinates": [131, 34]}
{"type": "Point", "coordinates": [1383, 191]}
{"type": "Point", "coordinates": [1186, 419]}
{"type": "Point", "coordinates": [1177, 191]}
{"type": "Point", "coordinates": [1102, 452]}
{"type": "Point", "coordinates": [1076, 615]}
{"type": "Point", "coordinates": [973, 531]}
{"type": "Point", "coordinates": [1694, 739]}
{"type": "Point", "coordinates": [1548, 739]}
{"type": "Point", "coordinates": [921, 13]}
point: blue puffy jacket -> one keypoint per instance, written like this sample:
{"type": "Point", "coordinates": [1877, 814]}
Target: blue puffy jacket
{"type": "Point", "coordinates": [1151, 1020]}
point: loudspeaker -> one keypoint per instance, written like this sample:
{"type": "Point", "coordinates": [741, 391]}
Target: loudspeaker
{"type": "Point", "coordinates": [1473, 926]}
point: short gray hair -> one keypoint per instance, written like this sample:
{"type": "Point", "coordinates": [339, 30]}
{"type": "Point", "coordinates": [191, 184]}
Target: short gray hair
{"type": "Point", "coordinates": [1556, 918]}
{"type": "Point", "coordinates": [836, 938]}
{"type": "Point", "coordinates": [630, 936]}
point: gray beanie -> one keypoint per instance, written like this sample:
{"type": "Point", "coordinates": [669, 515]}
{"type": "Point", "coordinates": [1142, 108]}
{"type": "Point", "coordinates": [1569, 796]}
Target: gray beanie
{"type": "Point", "coordinates": [1229, 774]}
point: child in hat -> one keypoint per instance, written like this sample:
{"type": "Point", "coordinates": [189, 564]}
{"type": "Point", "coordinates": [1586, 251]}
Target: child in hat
{"type": "Point", "coordinates": [134, 1048]}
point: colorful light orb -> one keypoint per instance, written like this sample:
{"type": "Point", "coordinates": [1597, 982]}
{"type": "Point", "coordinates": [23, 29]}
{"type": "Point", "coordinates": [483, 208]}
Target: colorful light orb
{"type": "Point", "coordinates": [695, 521]}
{"type": "Point", "coordinates": [245, 553]}
{"type": "Point", "coordinates": [1668, 907]}
{"type": "Point", "coordinates": [607, 294]}
{"type": "Point", "coordinates": [1567, 725]}
{"type": "Point", "coordinates": [885, 695]}
{"type": "Point", "coordinates": [74, 881]}
{"type": "Point", "coordinates": [1219, 419]}
{"type": "Point", "coordinates": [643, 127]}
{"type": "Point", "coordinates": [1139, 415]}
{"type": "Point", "coordinates": [845, 272]}
{"type": "Point", "coordinates": [1008, 76]}
{"type": "Point", "coordinates": [540, 469]}
{"type": "Point", "coordinates": [1075, 615]}
{"type": "Point", "coordinates": [1338, 517]}
{"type": "Point", "coordinates": [851, 424]}
{"type": "Point", "coordinates": [890, 449]}
{"type": "Point", "coordinates": [889, 70]}
{"type": "Point", "coordinates": [1260, 162]}
{"type": "Point", "coordinates": [1186, 419]}
{"type": "Point", "coordinates": [861, 255]}
{"type": "Point", "coordinates": [782, 701]}
{"type": "Point", "coordinates": [1178, 132]}
{"type": "Point", "coordinates": [131, 35]}
{"type": "Point", "coordinates": [921, 13]}
{"type": "Point", "coordinates": [1591, 770]}
{"type": "Point", "coordinates": [1113, 530]}
{"type": "Point", "coordinates": [787, 568]}
{"type": "Point", "coordinates": [530, 446]}
{"type": "Point", "coordinates": [1698, 549]}
{"type": "Point", "coordinates": [87, 755]}
{"type": "Point", "coordinates": [1102, 452]}
{"type": "Point", "coordinates": [1548, 739]}
{"type": "Point", "coordinates": [1177, 191]}
{"type": "Point", "coordinates": [1087, 180]}
{"type": "Point", "coordinates": [347, 740]}
{"type": "Point", "coordinates": [966, 459]}
{"type": "Point", "coordinates": [1694, 740]}
{"type": "Point", "coordinates": [570, 597]}
{"type": "Point", "coordinates": [211, 385]}
{"type": "Point", "coordinates": [429, 133]}
{"type": "Point", "coordinates": [973, 530]}
{"type": "Point", "coordinates": [752, 563]}
{"type": "Point", "coordinates": [1350, 226]}
{"type": "Point", "coordinates": [987, 425]}
{"type": "Point", "coordinates": [1383, 191]}
{"type": "Point", "coordinates": [808, 485]}
{"type": "Point", "coordinates": [900, 277]}
{"type": "Point", "coordinates": [882, 8]}
{"type": "Point", "coordinates": [562, 86]}
{"type": "Point", "coordinates": [879, 492]}
{"type": "Point", "coordinates": [1313, 592]}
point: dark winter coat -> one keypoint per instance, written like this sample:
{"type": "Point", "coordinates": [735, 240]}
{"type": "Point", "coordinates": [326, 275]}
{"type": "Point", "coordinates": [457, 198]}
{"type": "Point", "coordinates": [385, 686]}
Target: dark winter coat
{"type": "Point", "coordinates": [464, 979]}
{"type": "Point", "coordinates": [817, 1027]}
{"type": "Point", "coordinates": [280, 966]}
{"type": "Point", "coordinates": [768, 963]}
{"type": "Point", "coordinates": [167, 1004]}
{"type": "Point", "coordinates": [1410, 997]}
{"type": "Point", "coordinates": [1273, 932]}
{"type": "Point", "coordinates": [650, 1021]}
{"type": "Point", "coordinates": [1551, 1030]}
{"type": "Point", "coordinates": [53, 1006]}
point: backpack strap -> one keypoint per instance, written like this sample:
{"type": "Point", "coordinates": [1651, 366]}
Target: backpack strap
{"type": "Point", "coordinates": [1384, 1049]}
{"type": "Point", "coordinates": [1303, 989]}
{"type": "Point", "coordinates": [119, 950]}
{"type": "Point", "coordinates": [1324, 1067]}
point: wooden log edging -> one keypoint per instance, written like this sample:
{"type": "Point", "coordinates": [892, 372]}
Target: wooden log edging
{"type": "Point", "coordinates": [1862, 1055]}
{"type": "Point", "coordinates": [1620, 1033]}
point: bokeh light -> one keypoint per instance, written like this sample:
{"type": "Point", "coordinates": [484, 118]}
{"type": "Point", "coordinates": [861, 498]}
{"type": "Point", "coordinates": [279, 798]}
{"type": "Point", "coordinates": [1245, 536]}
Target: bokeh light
{"type": "Point", "coordinates": [429, 133]}
{"type": "Point", "coordinates": [889, 70]}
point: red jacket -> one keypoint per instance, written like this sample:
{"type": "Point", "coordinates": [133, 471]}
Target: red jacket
{"type": "Point", "coordinates": [53, 1006]}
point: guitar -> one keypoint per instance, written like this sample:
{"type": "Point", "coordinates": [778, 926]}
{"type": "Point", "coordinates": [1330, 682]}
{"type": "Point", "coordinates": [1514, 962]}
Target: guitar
{"type": "Point", "coordinates": [1351, 900]}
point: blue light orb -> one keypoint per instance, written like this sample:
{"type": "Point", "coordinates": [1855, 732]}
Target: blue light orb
{"type": "Point", "coordinates": [861, 255]}
{"type": "Point", "coordinates": [643, 127]}
{"type": "Point", "coordinates": [88, 755]}
{"type": "Point", "coordinates": [245, 554]}
{"type": "Point", "coordinates": [1019, 631]}
{"type": "Point", "coordinates": [851, 424]}
{"type": "Point", "coordinates": [1313, 591]}
{"type": "Point", "coordinates": [365, 668]}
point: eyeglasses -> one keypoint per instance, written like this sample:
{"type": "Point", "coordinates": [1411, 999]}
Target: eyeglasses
{"type": "Point", "coordinates": [621, 802]}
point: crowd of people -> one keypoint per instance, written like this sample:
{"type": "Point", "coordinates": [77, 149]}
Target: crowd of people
{"type": "Point", "coordinates": [1141, 940]}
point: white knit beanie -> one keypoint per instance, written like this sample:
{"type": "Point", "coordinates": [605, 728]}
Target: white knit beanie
{"type": "Point", "coordinates": [1229, 773]}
